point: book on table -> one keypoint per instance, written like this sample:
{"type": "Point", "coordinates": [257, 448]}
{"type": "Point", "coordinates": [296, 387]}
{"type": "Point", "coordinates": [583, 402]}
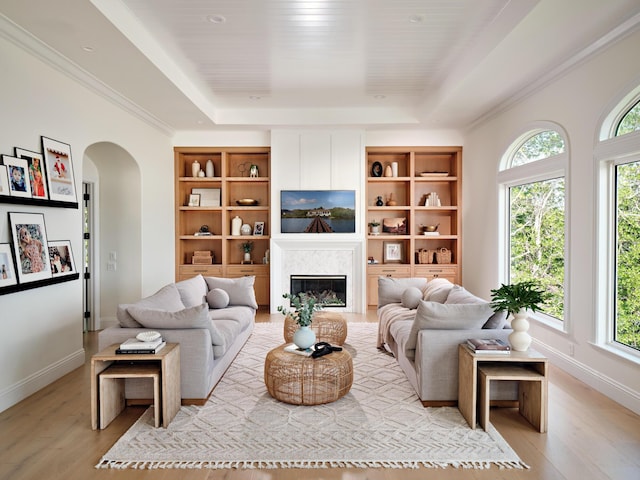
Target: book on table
{"type": "Point", "coordinates": [489, 346]}
{"type": "Point", "coordinates": [131, 351]}
{"type": "Point", "coordinates": [293, 348]}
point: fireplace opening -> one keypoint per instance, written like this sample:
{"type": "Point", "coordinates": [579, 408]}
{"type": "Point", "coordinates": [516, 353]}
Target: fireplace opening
{"type": "Point", "coordinates": [329, 290]}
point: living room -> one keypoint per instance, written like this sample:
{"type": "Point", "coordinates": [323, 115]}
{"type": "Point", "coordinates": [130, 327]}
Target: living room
{"type": "Point", "coordinates": [129, 156]}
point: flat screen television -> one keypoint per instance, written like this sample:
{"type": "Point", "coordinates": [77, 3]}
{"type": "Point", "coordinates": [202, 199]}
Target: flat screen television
{"type": "Point", "coordinates": [318, 211]}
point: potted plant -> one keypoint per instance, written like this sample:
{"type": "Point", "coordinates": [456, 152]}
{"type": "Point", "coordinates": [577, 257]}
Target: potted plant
{"type": "Point", "coordinates": [304, 307]}
{"type": "Point", "coordinates": [247, 247]}
{"type": "Point", "coordinates": [374, 227]}
{"type": "Point", "coordinates": [516, 299]}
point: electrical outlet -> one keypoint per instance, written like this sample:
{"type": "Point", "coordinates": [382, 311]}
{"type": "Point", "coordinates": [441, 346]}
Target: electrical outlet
{"type": "Point", "coordinates": [111, 266]}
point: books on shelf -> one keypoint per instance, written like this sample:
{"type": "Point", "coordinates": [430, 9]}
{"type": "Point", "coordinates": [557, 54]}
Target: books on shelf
{"type": "Point", "coordinates": [293, 348]}
{"type": "Point", "coordinates": [493, 346]}
{"type": "Point", "coordinates": [133, 345]}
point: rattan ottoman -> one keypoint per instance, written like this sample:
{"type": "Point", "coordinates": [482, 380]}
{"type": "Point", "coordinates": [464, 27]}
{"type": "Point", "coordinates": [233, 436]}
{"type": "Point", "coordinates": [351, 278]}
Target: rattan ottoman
{"type": "Point", "coordinates": [301, 380]}
{"type": "Point", "coordinates": [329, 327]}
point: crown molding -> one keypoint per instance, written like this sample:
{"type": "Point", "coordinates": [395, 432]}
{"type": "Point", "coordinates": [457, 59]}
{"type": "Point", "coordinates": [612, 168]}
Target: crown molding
{"type": "Point", "coordinates": [35, 47]}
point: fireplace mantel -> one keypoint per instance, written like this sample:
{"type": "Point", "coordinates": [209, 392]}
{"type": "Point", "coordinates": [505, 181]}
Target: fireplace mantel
{"type": "Point", "coordinates": [318, 255]}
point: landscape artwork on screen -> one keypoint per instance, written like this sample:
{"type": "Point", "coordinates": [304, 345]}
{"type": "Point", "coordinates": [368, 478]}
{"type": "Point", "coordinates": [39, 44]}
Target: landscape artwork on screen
{"type": "Point", "coordinates": [318, 211]}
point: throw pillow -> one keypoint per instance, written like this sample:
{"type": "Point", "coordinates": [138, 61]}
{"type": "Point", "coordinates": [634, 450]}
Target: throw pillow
{"type": "Point", "coordinates": [240, 289]}
{"type": "Point", "coordinates": [192, 317]}
{"type": "Point", "coordinates": [192, 291]}
{"type": "Point", "coordinates": [167, 298]}
{"type": "Point", "coordinates": [390, 289]}
{"type": "Point", "coordinates": [459, 295]}
{"type": "Point", "coordinates": [437, 290]}
{"type": "Point", "coordinates": [217, 298]}
{"type": "Point", "coordinates": [438, 316]}
{"type": "Point", "coordinates": [411, 298]}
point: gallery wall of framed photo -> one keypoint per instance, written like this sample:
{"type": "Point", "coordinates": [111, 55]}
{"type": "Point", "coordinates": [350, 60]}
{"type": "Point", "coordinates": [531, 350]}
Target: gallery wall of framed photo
{"type": "Point", "coordinates": [30, 259]}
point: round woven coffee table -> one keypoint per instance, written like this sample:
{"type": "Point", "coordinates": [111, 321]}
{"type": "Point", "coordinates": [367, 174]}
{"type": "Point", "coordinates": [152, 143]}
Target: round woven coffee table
{"type": "Point", "coordinates": [329, 327]}
{"type": "Point", "coordinates": [300, 380]}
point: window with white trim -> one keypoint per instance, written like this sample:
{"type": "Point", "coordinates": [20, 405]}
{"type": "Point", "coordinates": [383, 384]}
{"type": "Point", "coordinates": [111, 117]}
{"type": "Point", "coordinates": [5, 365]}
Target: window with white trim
{"type": "Point", "coordinates": [533, 195]}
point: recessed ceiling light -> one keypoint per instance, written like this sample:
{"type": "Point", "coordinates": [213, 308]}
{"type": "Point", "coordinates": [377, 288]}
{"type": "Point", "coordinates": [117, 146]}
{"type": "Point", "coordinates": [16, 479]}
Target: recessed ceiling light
{"type": "Point", "coordinates": [217, 18]}
{"type": "Point", "coordinates": [379, 97]}
{"type": "Point", "coordinates": [417, 18]}
{"type": "Point", "coordinates": [87, 48]}
{"type": "Point", "coordinates": [254, 97]}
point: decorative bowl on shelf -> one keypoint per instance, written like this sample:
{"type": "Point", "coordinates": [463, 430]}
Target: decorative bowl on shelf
{"type": "Point", "coordinates": [247, 202]}
{"type": "Point", "coordinates": [434, 174]}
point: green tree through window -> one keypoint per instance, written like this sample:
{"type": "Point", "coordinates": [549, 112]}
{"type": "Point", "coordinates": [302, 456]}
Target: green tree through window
{"type": "Point", "coordinates": [630, 122]}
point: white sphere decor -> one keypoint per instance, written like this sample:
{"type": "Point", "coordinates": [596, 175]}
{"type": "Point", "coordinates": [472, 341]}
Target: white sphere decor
{"type": "Point", "coordinates": [519, 338]}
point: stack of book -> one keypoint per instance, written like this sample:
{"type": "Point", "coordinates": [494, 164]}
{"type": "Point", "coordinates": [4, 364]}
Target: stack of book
{"type": "Point", "coordinates": [293, 348]}
{"type": "Point", "coordinates": [492, 346]}
{"type": "Point", "coordinates": [133, 345]}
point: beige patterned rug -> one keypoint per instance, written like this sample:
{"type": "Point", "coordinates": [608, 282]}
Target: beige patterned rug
{"type": "Point", "coordinates": [379, 423]}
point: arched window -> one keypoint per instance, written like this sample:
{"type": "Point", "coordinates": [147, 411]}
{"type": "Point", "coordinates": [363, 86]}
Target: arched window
{"type": "Point", "coordinates": [533, 193]}
{"type": "Point", "coordinates": [618, 161]}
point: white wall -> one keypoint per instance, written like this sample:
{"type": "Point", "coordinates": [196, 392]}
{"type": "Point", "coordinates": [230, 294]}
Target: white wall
{"type": "Point", "coordinates": [577, 102]}
{"type": "Point", "coordinates": [42, 328]}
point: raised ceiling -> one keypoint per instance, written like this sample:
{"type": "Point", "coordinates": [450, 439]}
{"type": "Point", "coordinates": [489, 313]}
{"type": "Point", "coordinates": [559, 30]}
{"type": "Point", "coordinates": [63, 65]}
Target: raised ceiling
{"type": "Point", "coordinates": [193, 64]}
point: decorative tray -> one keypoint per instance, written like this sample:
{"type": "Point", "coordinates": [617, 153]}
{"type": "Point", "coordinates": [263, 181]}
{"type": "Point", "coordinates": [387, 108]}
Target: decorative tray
{"type": "Point", "coordinates": [434, 174]}
{"type": "Point", "coordinates": [247, 202]}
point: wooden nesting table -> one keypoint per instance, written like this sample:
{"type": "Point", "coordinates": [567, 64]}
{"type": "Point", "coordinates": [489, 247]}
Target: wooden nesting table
{"type": "Point", "coordinates": [109, 371]}
{"type": "Point", "coordinates": [529, 368]}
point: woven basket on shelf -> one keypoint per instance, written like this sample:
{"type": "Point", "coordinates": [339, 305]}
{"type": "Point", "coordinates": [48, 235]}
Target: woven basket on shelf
{"type": "Point", "coordinates": [443, 255]}
{"type": "Point", "coordinates": [425, 255]}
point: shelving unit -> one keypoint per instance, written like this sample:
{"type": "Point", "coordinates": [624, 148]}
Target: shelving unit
{"type": "Point", "coordinates": [231, 178]}
{"type": "Point", "coordinates": [421, 171]}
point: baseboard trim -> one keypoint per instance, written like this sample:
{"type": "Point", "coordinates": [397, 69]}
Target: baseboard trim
{"type": "Point", "coordinates": [38, 380]}
{"type": "Point", "coordinates": [609, 387]}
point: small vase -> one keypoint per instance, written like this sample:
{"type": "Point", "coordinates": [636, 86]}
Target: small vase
{"type": "Point", "coordinates": [379, 201]}
{"type": "Point", "coordinates": [195, 168]}
{"type": "Point", "coordinates": [209, 167]}
{"type": "Point", "coordinates": [236, 223]}
{"type": "Point", "coordinates": [374, 229]}
{"type": "Point", "coordinates": [304, 337]}
{"type": "Point", "coordinates": [394, 169]}
{"type": "Point", "coordinates": [519, 338]}
{"type": "Point", "coordinates": [387, 171]}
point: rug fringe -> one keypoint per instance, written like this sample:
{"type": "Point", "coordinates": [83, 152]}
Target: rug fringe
{"type": "Point", "coordinates": [261, 464]}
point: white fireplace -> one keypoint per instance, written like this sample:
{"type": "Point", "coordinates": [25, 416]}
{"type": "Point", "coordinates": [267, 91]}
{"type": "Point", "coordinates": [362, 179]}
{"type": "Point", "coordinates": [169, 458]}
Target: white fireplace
{"type": "Point", "coordinates": [311, 256]}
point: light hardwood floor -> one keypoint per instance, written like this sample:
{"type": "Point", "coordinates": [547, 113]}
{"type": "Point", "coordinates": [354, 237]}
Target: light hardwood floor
{"type": "Point", "coordinates": [49, 436]}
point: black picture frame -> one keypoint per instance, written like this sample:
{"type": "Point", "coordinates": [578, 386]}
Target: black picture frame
{"type": "Point", "coordinates": [376, 169]}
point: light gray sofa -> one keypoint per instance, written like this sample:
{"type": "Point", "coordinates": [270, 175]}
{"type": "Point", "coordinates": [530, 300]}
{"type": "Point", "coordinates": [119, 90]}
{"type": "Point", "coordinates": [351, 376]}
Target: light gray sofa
{"type": "Point", "coordinates": [211, 318]}
{"type": "Point", "coordinates": [422, 323]}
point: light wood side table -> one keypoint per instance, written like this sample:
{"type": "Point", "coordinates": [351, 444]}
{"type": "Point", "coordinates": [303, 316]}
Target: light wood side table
{"type": "Point", "coordinates": [109, 371]}
{"type": "Point", "coordinates": [530, 368]}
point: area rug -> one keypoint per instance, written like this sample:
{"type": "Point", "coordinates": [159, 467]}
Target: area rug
{"type": "Point", "coordinates": [379, 423]}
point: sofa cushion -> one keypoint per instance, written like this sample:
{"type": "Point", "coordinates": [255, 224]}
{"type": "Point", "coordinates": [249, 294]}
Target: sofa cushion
{"type": "Point", "coordinates": [192, 291]}
{"type": "Point", "coordinates": [242, 315]}
{"type": "Point", "coordinates": [167, 298]}
{"type": "Point", "coordinates": [437, 290]}
{"type": "Point", "coordinates": [459, 295]}
{"type": "Point", "coordinates": [217, 298]}
{"type": "Point", "coordinates": [193, 317]}
{"type": "Point", "coordinates": [411, 297]}
{"type": "Point", "coordinates": [438, 316]}
{"type": "Point", "coordinates": [390, 289]}
{"type": "Point", "coordinates": [240, 289]}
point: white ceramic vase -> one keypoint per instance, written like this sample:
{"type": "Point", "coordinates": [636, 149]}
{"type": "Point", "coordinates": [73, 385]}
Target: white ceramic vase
{"type": "Point", "coordinates": [304, 337]}
{"type": "Point", "coordinates": [210, 169]}
{"type": "Point", "coordinates": [236, 223]}
{"type": "Point", "coordinates": [519, 338]}
{"type": "Point", "coordinates": [195, 168]}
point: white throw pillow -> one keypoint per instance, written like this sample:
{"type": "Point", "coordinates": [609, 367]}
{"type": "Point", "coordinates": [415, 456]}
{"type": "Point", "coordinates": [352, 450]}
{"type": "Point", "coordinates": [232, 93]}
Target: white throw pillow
{"type": "Point", "coordinates": [193, 317]}
{"type": "Point", "coordinates": [167, 298]}
{"type": "Point", "coordinates": [217, 298]}
{"type": "Point", "coordinates": [411, 298]}
{"type": "Point", "coordinates": [438, 316]}
{"type": "Point", "coordinates": [437, 290]}
{"type": "Point", "coordinates": [459, 295]}
{"type": "Point", "coordinates": [240, 289]}
{"type": "Point", "coordinates": [192, 290]}
{"type": "Point", "coordinates": [390, 289]}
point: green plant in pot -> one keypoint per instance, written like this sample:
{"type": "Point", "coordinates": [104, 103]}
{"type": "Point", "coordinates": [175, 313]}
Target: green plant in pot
{"type": "Point", "coordinates": [374, 227]}
{"type": "Point", "coordinates": [516, 299]}
{"type": "Point", "coordinates": [304, 307]}
{"type": "Point", "coordinates": [247, 248]}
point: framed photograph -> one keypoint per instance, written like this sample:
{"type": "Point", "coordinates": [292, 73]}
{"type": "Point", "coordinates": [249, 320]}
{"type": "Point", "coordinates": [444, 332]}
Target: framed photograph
{"type": "Point", "coordinates": [37, 174]}
{"type": "Point", "coordinates": [7, 271]}
{"type": "Point", "coordinates": [194, 200]}
{"type": "Point", "coordinates": [4, 182]}
{"type": "Point", "coordinates": [318, 211]}
{"type": "Point", "coordinates": [258, 229]}
{"type": "Point", "coordinates": [209, 197]}
{"type": "Point", "coordinates": [59, 167]}
{"type": "Point", "coordinates": [61, 258]}
{"type": "Point", "coordinates": [395, 226]}
{"type": "Point", "coordinates": [30, 244]}
{"type": "Point", "coordinates": [393, 252]}
{"type": "Point", "coordinates": [18, 173]}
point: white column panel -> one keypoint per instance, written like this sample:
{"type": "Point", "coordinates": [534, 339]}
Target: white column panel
{"type": "Point", "coordinates": [315, 161]}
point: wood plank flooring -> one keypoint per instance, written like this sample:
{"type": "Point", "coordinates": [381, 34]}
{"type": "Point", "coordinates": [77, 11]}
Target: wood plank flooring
{"type": "Point", "coordinates": [49, 436]}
